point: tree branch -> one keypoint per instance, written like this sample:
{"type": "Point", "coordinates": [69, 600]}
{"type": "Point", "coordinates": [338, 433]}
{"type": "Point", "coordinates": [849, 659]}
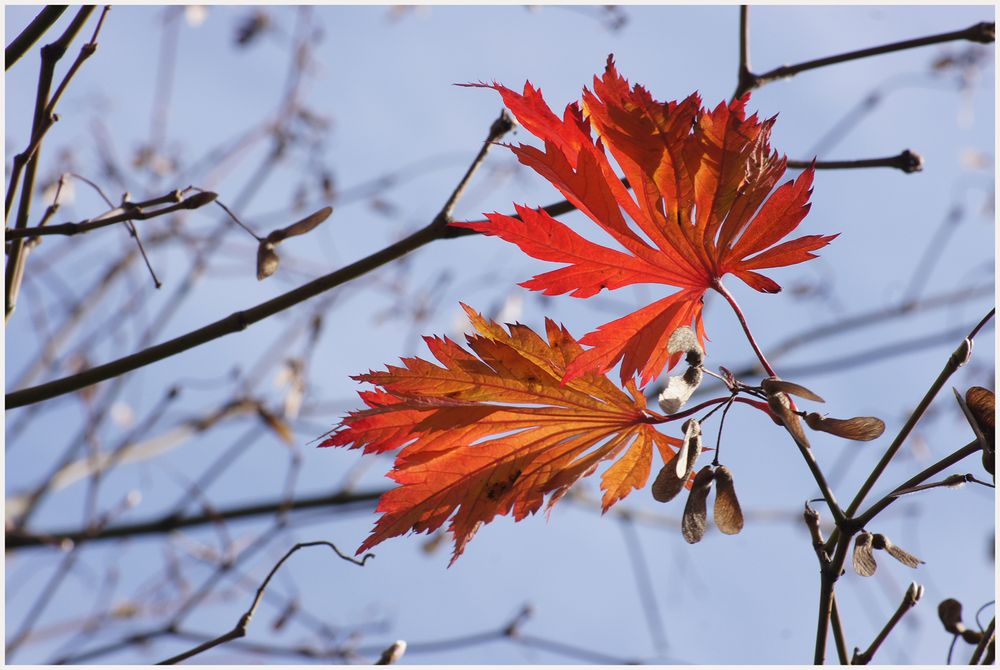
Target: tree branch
{"type": "Point", "coordinates": [983, 33]}
{"type": "Point", "coordinates": [910, 599]}
{"type": "Point", "coordinates": [27, 160]}
{"type": "Point", "coordinates": [240, 320]}
{"type": "Point", "coordinates": [907, 161]}
{"type": "Point", "coordinates": [171, 522]}
{"type": "Point", "coordinates": [31, 34]}
{"type": "Point", "coordinates": [128, 212]}
{"type": "Point", "coordinates": [240, 629]}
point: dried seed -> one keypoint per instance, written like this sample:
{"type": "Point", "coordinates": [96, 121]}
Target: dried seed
{"type": "Point", "coordinates": [267, 260]}
{"type": "Point", "coordinates": [678, 391]}
{"type": "Point", "coordinates": [880, 541]}
{"type": "Point", "coordinates": [300, 227]}
{"type": "Point", "coordinates": [695, 511]}
{"type": "Point", "coordinates": [972, 636]}
{"type": "Point", "coordinates": [950, 614]}
{"type": "Point", "coordinates": [275, 423]}
{"type": "Point", "coordinates": [667, 484]}
{"type": "Point", "coordinates": [727, 512]}
{"type": "Point", "coordinates": [782, 407]}
{"type": "Point", "coordinates": [863, 560]}
{"type": "Point", "coordinates": [675, 473]}
{"type": "Point", "coordinates": [683, 339]}
{"type": "Point", "coordinates": [773, 385]}
{"type": "Point", "coordinates": [860, 428]}
{"type": "Point", "coordinates": [690, 448]}
{"type": "Point", "coordinates": [982, 406]}
{"type": "Point", "coordinates": [199, 199]}
{"type": "Point", "coordinates": [693, 376]}
{"type": "Point", "coordinates": [982, 402]}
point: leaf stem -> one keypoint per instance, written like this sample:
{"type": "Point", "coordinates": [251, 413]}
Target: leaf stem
{"type": "Point", "coordinates": [717, 285]}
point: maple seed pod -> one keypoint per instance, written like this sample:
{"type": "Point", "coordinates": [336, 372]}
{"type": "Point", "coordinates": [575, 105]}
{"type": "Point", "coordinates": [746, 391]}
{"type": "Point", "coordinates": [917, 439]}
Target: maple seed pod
{"type": "Point", "coordinates": [863, 560]}
{"type": "Point", "coordinates": [267, 260]}
{"type": "Point", "coordinates": [684, 339]}
{"type": "Point", "coordinates": [679, 390]}
{"type": "Point", "coordinates": [880, 541]}
{"type": "Point", "coordinates": [667, 484]}
{"type": "Point", "coordinates": [199, 199]}
{"type": "Point", "coordinates": [950, 614]}
{"type": "Point", "coordinates": [727, 512]}
{"type": "Point", "coordinates": [690, 448]}
{"type": "Point", "coordinates": [860, 428]}
{"type": "Point", "coordinates": [972, 636]}
{"type": "Point", "coordinates": [981, 406]}
{"type": "Point", "coordinates": [300, 227]}
{"type": "Point", "coordinates": [695, 511]}
{"type": "Point", "coordinates": [675, 473]}
{"type": "Point", "coordinates": [773, 385]}
{"type": "Point", "coordinates": [781, 406]}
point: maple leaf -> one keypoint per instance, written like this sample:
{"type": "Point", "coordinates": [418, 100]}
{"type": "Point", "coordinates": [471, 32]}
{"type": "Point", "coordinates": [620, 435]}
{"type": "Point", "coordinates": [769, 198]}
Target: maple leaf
{"type": "Point", "coordinates": [703, 207]}
{"type": "Point", "coordinates": [494, 430]}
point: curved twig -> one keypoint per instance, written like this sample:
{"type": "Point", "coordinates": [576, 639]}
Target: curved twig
{"type": "Point", "coordinates": [240, 629]}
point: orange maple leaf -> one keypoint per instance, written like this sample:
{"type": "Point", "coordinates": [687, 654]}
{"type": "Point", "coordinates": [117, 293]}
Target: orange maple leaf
{"type": "Point", "coordinates": [699, 178]}
{"type": "Point", "coordinates": [495, 430]}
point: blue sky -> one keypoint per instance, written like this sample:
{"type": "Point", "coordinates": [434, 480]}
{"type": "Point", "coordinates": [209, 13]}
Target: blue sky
{"type": "Point", "coordinates": [385, 82]}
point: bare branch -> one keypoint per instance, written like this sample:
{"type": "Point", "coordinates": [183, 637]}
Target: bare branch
{"type": "Point", "coordinates": [983, 33]}
{"type": "Point", "coordinates": [239, 321]}
{"type": "Point", "coordinates": [31, 34]}
{"type": "Point", "coordinates": [240, 629]}
{"type": "Point", "coordinates": [910, 599]}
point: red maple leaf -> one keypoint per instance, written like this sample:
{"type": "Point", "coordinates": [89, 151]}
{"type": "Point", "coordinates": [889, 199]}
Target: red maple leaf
{"type": "Point", "coordinates": [495, 430]}
{"type": "Point", "coordinates": [703, 207]}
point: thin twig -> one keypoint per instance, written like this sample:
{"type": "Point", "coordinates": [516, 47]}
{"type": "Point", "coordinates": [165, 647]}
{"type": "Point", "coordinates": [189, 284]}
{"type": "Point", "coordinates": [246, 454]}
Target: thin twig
{"type": "Point", "coordinates": [129, 212]}
{"type": "Point", "coordinates": [838, 630]}
{"type": "Point", "coordinates": [829, 575]}
{"type": "Point", "coordinates": [957, 359]}
{"type": "Point", "coordinates": [910, 599]}
{"type": "Point", "coordinates": [240, 629]}
{"type": "Point", "coordinates": [988, 638]}
{"type": "Point", "coordinates": [906, 161]}
{"type": "Point", "coordinates": [172, 522]}
{"type": "Point", "coordinates": [744, 75]}
{"type": "Point", "coordinates": [983, 33]}
{"type": "Point", "coordinates": [865, 517]}
{"type": "Point", "coordinates": [27, 160]}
